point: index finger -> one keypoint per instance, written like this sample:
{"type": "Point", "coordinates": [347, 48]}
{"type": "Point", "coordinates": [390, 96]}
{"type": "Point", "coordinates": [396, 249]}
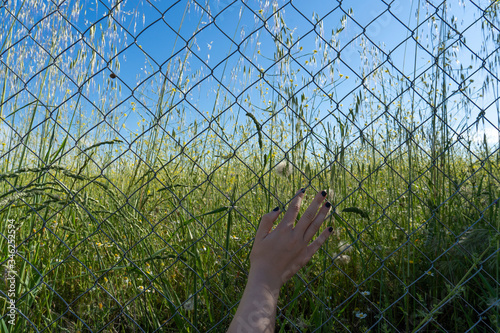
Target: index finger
{"type": "Point", "coordinates": [293, 210]}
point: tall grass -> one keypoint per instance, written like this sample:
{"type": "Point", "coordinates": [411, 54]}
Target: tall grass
{"type": "Point", "coordinates": [129, 230]}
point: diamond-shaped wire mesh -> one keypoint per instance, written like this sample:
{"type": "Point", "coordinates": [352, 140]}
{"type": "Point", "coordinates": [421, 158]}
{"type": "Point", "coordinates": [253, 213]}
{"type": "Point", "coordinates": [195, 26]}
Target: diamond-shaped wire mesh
{"type": "Point", "coordinates": [141, 142]}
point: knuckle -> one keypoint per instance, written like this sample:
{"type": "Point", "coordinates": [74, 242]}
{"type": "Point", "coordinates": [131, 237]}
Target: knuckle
{"type": "Point", "coordinates": [295, 206]}
{"type": "Point", "coordinates": [308, 215]}
{"type": "Point", "coordinates": [318, 222]}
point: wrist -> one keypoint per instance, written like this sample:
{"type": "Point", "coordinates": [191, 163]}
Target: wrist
{"type": "Point", "coordinates": [264, 279]}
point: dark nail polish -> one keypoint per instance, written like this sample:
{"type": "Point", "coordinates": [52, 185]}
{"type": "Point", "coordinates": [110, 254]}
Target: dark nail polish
{"type": "Point", "coordinates": [330, 229]}
{"type": "Point", "coordinates": [323, 193]}
{"type": "Point", "coordinates": [328, 204]}
{"type": "Point", "coordinates": [302, 190]}
{"type": "Point", "coordinates": [276, 209]}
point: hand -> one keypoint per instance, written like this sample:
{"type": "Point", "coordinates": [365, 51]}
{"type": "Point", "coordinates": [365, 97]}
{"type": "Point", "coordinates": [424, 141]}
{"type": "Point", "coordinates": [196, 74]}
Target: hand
{"type": "Point", "coordinates": [278, 255]}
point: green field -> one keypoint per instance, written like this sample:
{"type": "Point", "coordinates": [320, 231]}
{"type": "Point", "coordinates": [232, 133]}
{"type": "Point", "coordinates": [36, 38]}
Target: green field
{"type": "Point", "coordinates": [128, 242]}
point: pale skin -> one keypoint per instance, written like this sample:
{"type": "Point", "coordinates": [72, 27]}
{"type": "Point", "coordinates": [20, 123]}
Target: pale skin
{"type": "Point", "coordinates": [276, 256]}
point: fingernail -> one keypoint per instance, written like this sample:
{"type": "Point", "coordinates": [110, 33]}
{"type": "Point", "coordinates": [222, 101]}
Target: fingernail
{"type": "Point", "coordinates": [276, 209]}
{"type": "Point", "coordinates": [330, 229]}
{"type": "Point", "coordinates": [303, 190]}
{"type": "Point", "coordinates": [323, 193]}
{"type": "Point", "coordinates": [328, 204]}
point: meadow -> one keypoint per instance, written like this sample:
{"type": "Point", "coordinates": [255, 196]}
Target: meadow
{"type": "Point", "coordinates": [135, 208]}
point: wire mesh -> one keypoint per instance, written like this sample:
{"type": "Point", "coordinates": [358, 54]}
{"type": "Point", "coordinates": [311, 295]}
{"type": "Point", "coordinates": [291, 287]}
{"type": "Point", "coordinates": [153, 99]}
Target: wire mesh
{"type": "Point", "coordinates": [142, 142]}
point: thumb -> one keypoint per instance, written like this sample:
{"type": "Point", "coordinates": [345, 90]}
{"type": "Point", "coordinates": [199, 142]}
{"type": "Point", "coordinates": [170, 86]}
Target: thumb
{"type": "Point", "coordinates": [266, 223]}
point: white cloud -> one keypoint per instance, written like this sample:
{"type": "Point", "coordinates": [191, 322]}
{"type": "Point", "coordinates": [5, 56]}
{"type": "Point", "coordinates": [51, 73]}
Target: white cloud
{"type": "Point", "coordinates": [490, 133]}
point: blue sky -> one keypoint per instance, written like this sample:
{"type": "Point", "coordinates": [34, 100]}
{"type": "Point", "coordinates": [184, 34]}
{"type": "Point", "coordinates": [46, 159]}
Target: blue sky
{"type": "Point", "coordinates": [212, 44]}
{"type": "Point", "coordinates": [152, 36]}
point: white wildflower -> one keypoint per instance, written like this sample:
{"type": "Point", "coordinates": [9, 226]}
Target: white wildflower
{"type": "Point", "coordinates": [345, 247]}
{"type": "Point", "coordinates": [492, 301]}
{"type": "Point", "coordinates": [301, 323]}
{"type": "Point", "coordinates": [343, 259]}
{"type": "Point", "coordinates": [284, 169]}
{"type": "Point", "coordinates": [361, 315]}
{"type": "Point", "coordinates": [189, 304]}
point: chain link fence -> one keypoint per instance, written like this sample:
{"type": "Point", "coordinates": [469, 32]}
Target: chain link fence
{"type": "Point", "coordinates": [141, 142]}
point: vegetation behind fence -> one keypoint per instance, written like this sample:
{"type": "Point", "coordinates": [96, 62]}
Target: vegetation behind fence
{"type": "Point", "coordinates": [141, 142]}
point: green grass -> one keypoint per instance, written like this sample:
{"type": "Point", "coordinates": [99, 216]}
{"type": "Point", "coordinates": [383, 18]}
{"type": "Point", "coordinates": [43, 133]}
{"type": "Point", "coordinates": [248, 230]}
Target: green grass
{"type": "Point", "coordinates": [120, 229]}
{"type": "Point", "coordinates": [179, 235]}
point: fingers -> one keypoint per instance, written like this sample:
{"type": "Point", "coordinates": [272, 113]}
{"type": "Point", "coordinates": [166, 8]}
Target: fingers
{"type": "Point", "coordinates": [314, 246]}
{"type": "Point", "coordinates": [317, 222]}
{"type": "Point", "coordinates": [310, 213]}
{"type": "Point", "coordinates": [266, 223]}
{"type": "Point", "coordinates": [293, 210]}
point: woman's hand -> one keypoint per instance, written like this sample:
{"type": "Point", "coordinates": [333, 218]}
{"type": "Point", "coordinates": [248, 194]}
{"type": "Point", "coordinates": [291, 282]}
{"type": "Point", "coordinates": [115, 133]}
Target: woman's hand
{"type": "Point", "coordinates": [276, 256]}
{"type": "Point", "coordinates": [280, 253]}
